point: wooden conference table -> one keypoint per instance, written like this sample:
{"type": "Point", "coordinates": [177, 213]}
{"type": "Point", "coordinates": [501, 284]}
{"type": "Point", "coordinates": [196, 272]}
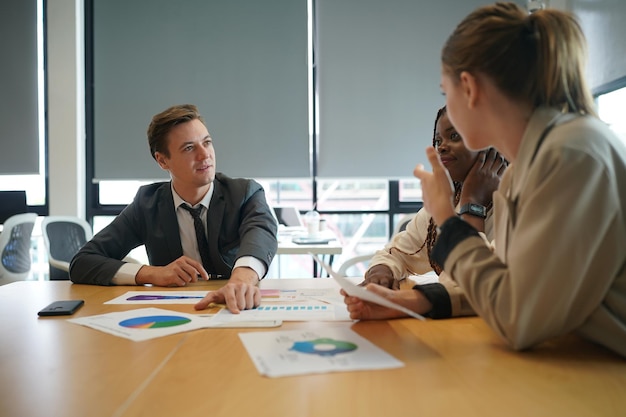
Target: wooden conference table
{"type": "Point", "coordinates": [457, 367]}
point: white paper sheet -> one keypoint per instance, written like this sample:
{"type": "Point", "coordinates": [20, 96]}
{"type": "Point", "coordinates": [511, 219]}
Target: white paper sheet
{"type": "Point", "coordinates": [321, 304]}
{"type": "Point", "coordinates": [144, 323]}
{"type": "Point", "coordinates": [362, 293]}
{"type": "Point", "coordinates": [310, 311]}
{"type": "Point", "coordinates": [159, 297]}
{"type": "Point", "coordinates": [310, 351]}
{"type": "Point", "coordinates": [149, 323]}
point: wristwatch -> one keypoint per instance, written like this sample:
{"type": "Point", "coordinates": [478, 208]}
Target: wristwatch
{"type": "Point", "coordinates": [474, 209]}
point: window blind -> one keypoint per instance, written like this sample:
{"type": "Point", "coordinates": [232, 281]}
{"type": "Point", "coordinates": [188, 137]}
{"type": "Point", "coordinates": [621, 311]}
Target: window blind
{"type": "Point", "coordinates": [378, 82]}
{"type": "Point", "coordinates": [19, 123]}
{"type": "Point", "coordinates": [242, 62]}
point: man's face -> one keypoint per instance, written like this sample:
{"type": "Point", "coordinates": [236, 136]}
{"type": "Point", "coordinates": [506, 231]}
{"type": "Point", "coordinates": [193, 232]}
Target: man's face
{"type": "Point", "coordinates": [191, 160]}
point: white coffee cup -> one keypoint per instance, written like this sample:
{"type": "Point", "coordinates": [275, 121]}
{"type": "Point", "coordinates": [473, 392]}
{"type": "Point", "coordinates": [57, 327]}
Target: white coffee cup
{"type": "Point", "coordinates": [312, 221]}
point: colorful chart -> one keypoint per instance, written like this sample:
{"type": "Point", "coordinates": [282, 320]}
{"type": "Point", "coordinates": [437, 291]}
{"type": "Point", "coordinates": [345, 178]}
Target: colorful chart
{"type": "Point", "coordinates": [324, 347]}
{"type": "Point", "coordinates": [292, 307]}
{"type": "Point", "coordinates": [154, 322]}
{"type": "Point", "coordinates": [148, 297]}
{"type": "Point", "coordinates": [269, 293]}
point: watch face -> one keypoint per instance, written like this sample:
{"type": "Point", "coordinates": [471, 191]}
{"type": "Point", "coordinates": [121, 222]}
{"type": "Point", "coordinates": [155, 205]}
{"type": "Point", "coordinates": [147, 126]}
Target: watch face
{"type": "Point", "coordinates": [474, 209]}
{"type": "Point", "coordinates": [478, 209]}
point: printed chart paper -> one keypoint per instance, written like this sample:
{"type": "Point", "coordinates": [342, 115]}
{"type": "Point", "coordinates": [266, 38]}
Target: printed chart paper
{"type": "Point", "coordinates": [144, 323]}
{"type": "Point", "coordinates": [324, 304]}
{"type": "Point", "coordinates": [292, 312]}
{"type": "Point", "coordinates": [159, 297]}
{"type": "Point", "coordinates": [192, 297]}
{"type": "Point", "coordinates": [150, 323]}
{"type": "Point", "coordinates": [310, 351]}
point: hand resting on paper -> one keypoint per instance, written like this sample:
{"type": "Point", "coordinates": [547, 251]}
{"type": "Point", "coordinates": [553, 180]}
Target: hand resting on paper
{"type": "Point", "coordinates": [241, 292]}
{"type": "Point", "coordinates": [364, 310]}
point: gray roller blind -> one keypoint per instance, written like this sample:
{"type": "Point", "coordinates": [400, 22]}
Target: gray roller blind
{"type": "Point", "coordinates": [243, 62]}
{"type": "Point", "coordinates": [603, 24]}
{"type": "Point", "coordinates": [378, 82]}
{"type": "Point", "coordinates": [19, 132]}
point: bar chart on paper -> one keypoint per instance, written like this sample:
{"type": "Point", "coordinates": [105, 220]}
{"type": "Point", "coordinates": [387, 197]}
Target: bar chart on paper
{"type": "Point", "coordinates": [297, 311]}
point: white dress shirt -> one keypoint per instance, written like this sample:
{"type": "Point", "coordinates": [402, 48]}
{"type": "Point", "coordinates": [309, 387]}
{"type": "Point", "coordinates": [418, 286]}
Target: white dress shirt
{"type": "Point", "coordinates": [127, 272]}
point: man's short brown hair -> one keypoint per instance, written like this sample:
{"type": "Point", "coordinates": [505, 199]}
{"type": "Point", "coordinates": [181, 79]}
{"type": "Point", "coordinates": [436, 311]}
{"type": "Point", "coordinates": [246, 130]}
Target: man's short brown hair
{"type": "Point", "coordinates": [163, 122]}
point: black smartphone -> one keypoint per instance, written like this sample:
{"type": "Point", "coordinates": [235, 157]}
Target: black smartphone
{"type": "Point", "coordinates": [61, 308]}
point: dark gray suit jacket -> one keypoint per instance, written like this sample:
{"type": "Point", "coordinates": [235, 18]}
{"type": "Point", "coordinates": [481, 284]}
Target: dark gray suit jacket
{"type": "Point", "coordinates": [239, 223]}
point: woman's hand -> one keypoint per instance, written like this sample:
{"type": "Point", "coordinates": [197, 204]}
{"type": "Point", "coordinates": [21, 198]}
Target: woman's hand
{"type": "Point", "coordinates": [483, 178]}
{"type": "Point", "coordinates": [437, 188]}
{"type": "Point", "coordinates": [365, 310]}
{"type": "Point", "coordinates": [381, 275]}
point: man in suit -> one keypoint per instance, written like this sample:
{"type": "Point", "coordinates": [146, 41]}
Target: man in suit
{"type": "Point", "coordinates": [164, 217]}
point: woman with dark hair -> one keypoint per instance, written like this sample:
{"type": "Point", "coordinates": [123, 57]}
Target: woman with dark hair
{"type": "Point", "coordinates": [475, 175]}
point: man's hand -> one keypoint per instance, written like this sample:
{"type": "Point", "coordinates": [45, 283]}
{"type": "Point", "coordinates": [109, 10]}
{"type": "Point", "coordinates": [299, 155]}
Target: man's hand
{"type": "Point", "coordinates": [381, 275]}
{"type": "Point", "coordinates": [240, 293]}
{"type": "Point", "coordinates": [364, 310]}
{"type": "Point", "coordinates": [176, 274]}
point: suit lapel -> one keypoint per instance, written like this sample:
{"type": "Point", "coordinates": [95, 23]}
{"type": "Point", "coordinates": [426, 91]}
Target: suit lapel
{"type": "Point", "coordinates": [215, 215]}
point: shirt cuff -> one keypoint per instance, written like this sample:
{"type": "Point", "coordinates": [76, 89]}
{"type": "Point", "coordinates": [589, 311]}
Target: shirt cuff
{"type": "Point", "coordinates": [126, 274]}
{"type": "Point", "coordinates": [439, 298]}
{"type": "Point", "coordinates": [451, 233]}
{"type": "Point", "coordinates": [254, 263]}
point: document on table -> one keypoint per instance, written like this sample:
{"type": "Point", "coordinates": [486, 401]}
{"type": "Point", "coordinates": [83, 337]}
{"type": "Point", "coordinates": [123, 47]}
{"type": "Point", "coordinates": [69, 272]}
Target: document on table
{"type": "Point", "coordinates": [362, 293]}
{"type": "Point", "coordinates": [143, 324]}
{"type": "Point", "coordinates": [306, 304]}
{"type": "Point", "coordinates": [149, 323]}
{"type": "Point", "coordinates": [159, 297]}
{"type": "Point", "coordinates": [312, 351]}
{"type": "Point", "coordinates": [310, 311]}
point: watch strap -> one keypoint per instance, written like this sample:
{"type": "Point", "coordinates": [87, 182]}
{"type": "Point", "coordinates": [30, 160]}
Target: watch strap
{"type": "Point", "coordinates": [474, 209]}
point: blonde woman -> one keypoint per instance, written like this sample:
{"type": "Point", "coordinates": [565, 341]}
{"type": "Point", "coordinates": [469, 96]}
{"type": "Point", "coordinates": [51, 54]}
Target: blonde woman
{"type": "Point", "coordinates": [516, 82]}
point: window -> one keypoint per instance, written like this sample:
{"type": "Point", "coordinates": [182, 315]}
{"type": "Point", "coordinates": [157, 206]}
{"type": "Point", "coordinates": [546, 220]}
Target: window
{"type": "Point", "coordinates": [33, 183]}
{"type": "Point", "coordinates": [362, 211]}
{"type": "Point", "coordinates": [611, 110]}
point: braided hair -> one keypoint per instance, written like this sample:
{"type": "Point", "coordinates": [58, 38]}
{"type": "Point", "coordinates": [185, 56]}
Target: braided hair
{"type": "Point", "coordinates": [431, 234]}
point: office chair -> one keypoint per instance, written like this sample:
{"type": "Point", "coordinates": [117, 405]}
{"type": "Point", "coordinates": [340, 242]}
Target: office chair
{"type": "Point", "coordinates": [63, 237]}
{"type": "Point", "coordinates": [15, 259]}
{"type": "Point", "coordinates": [363, 260]}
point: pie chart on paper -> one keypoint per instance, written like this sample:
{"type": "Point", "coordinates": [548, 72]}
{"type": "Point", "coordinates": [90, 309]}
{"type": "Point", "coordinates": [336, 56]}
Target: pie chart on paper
{"type": "Point", "coordinates": [154, 322]}
{"type": "Point", "coordinates": [323, 347]}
